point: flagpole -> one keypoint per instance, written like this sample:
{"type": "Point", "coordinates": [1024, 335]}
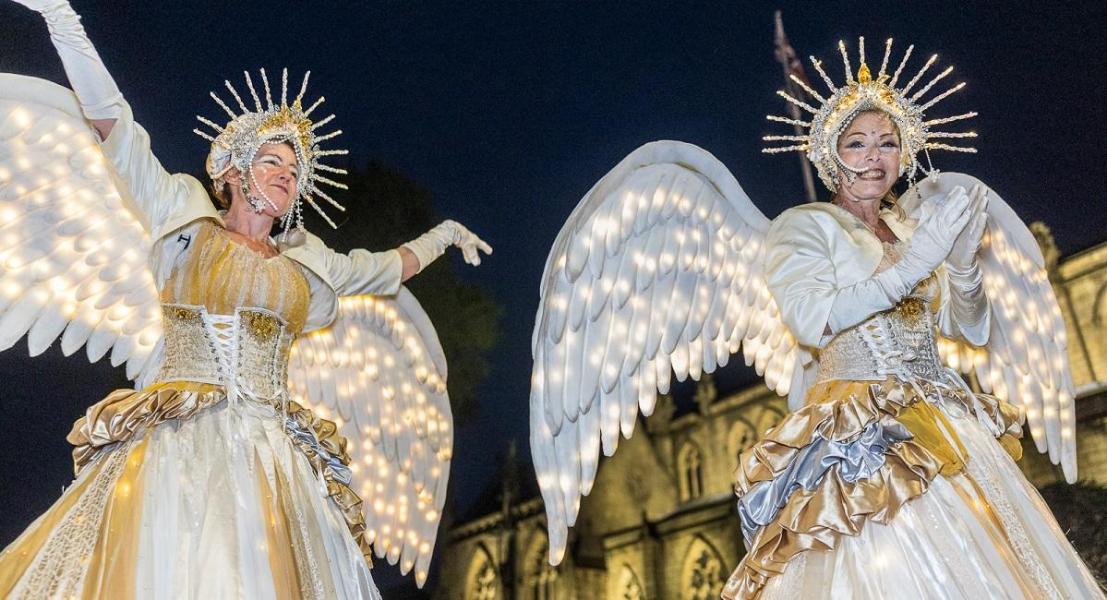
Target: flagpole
{"type": "Point", "coordinates": [786, 56]}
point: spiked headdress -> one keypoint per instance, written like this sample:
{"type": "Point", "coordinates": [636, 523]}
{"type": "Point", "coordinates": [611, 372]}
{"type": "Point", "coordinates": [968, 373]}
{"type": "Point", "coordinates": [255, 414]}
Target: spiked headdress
{"type": "Point", "coordinates": [862, 93]}
{"type": "Point", "coordinates": [236, 143]}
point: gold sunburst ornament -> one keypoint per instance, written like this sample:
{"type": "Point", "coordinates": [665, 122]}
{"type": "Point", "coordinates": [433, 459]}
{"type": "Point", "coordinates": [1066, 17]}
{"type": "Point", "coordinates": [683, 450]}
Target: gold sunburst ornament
{"type": "Point", "coordinates": [236, 144]}
{"type": "Point", "coordinates": [861, 93]}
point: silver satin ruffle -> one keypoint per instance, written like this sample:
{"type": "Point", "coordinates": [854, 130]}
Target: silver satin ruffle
{"type": "Point", "coordinates": [855, 460]}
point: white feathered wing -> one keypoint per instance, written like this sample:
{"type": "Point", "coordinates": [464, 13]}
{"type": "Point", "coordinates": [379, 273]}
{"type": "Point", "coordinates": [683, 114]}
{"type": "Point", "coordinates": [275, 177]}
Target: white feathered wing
{"type": "Point", "coordinates": [73, 251]}
{"type": "Point", "coordinates": [1026, 360]}
{"type": "Point", "coordinates": [658, 269]}
{"type": "Point", "coordinates": [379, 371]}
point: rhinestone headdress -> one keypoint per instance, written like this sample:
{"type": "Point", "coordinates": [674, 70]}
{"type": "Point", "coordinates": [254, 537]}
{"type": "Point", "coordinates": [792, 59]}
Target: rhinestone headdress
{"type": "Point", "coordinates": [835, 113]}
{"type": "Point", "coordinates": [235, 144]}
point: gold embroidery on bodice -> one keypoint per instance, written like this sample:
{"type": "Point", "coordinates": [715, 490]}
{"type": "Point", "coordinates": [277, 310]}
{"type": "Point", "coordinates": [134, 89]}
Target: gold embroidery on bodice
{"type": "Point", "coordinates": [231, 315]}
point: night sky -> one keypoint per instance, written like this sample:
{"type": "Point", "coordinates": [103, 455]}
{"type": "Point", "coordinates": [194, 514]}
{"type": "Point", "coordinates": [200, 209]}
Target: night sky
{"type": "Point", "coordinates": [509, 112]}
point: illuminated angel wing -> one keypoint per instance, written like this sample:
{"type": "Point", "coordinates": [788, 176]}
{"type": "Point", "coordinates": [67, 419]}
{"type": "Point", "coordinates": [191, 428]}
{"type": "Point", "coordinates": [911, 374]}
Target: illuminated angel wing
{"type": "Point", "coordinates": [1026, 359]}
{"type": "Point", "coordinates": [380, 373]}
{"type": "Point", "coordinates": [658, 269]}
{"type": "Point", "coordinates": [73, 252]}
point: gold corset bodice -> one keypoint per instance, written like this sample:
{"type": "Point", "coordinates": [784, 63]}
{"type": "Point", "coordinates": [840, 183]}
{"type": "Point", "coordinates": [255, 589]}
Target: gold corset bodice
{"type": "Point", "coordinates": [900, 341]}
{"type": "Point", "coordinates": [231, 315]}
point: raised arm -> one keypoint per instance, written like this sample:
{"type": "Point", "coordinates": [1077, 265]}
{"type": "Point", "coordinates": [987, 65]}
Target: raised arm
{"type": "Point", "coordinates": [165, 200]}
{"type": "Point", "coordinates": [99, 97]}
{"type": "Point", "coordinates": [965, 312]}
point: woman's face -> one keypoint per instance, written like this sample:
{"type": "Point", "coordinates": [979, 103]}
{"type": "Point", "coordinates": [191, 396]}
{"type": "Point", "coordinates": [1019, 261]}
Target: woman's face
{"type": "Point", "coordinates": [871, 145]}
{"type": "Point", "coordinates": [275, 176]}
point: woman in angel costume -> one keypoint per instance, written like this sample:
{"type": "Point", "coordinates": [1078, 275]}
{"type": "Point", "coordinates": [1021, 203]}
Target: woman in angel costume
{"type": "Point", "coordinates": [890, 478]}
{"type": "Point", "coordinates": [209, 480]}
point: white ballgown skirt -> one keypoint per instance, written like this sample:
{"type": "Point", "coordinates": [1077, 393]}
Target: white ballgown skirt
{"type": "Point", "coordinates": [219, 505]}
{"type": "Point", "coordinates": [939, 547]}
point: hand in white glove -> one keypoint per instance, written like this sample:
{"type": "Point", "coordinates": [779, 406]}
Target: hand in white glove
{"type": "Point", "coordinates": [96, 90]}
{"type": "Point", "coordinates": [433, 244]}
{"type": "Point", "coordinates": [933, 238]}
{"type": "Point", "coordinates": [42, 6]}
{"type": "Point", "coordinates": [963, 255]}
{"type": "Point", "coordinates": [929, 246]}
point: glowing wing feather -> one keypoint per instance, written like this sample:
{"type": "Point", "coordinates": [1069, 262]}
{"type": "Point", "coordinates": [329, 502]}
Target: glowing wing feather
{"type": "Point", "coordinates": [73, 253]}
{"type": "Point", "coordinates": [379, 371]}
{"type": "Point", "coordinates": [658, 269]}
{"type": "Point", "coordinates": [1026, 359]}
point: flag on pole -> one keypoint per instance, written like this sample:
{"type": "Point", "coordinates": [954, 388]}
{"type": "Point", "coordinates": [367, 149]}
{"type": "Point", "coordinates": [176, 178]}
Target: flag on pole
{"type": "Point", "coordinates": [786, 56]}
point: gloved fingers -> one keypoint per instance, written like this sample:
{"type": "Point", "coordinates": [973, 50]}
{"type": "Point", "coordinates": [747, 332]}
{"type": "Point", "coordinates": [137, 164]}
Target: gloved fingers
{"type": "Point", "coordinates": [978, 226]}
{"type": "Point", "coordinates": [484, 246]}
{"type": "Point", "coordinates": [469, 253]}
{"type": "Point", "coordinates": [955, 214]}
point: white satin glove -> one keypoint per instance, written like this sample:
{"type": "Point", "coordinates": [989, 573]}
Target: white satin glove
{"type": "Point", "coordinates": [96, 90]}
{"type": "Point", "coordinates": [962, 256]}
{"type": "Point", "coordinates": [929, 246]}
{"type": "Point", "coordinates": [433, 244]}
{"type": "Point", "coordinates": [968, 304]}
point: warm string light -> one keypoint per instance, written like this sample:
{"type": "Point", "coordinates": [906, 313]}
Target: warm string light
{"type": "Point", "coordinates": [406, 440]}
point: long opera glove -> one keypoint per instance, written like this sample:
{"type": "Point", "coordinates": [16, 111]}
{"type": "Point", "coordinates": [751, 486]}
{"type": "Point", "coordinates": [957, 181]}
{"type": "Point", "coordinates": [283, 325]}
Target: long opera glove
{"type": "Point", "coordinates": [433, 244]}
{"type": "Point", "coordinates": [96, 90]}
{"type": "Point", "coordinates": [930, 245]}
{"type": "Point", "coordinates": [968, 304]}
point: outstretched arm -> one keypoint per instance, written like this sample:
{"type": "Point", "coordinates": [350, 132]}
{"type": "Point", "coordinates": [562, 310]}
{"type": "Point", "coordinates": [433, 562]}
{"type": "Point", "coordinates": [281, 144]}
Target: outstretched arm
{"type": "Point", "coordinates": [381, 273]}
{"type": "Point", "coordinates": [422, 251]}
{"type": "Point", "coordinates": [100, 99]}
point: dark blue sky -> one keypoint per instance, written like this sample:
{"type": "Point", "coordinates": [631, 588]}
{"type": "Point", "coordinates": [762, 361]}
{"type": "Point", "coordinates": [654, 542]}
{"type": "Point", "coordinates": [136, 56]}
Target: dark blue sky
{"type": "Point", "coordinates": [509, 112]}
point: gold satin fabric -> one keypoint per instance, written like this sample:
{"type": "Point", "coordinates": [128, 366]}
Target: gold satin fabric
{"type": "Point", "coordinates": [222, 276]}
{"type": "Point", "coordinates": [124, 413]}
{"type": "Point", "coordinates": [15, 560]}
{"type": "Point", "coordinates": [839, 410]}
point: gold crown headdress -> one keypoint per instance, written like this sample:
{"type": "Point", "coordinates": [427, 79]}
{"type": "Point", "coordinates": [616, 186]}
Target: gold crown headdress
{"type": "Point", "coordinates": [235, 144]}
{"type": "Point", "coordinates": [866, 93]}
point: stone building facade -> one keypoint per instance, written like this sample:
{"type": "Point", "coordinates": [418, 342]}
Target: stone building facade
{"type": "Point", "coordinates": [660, 521]}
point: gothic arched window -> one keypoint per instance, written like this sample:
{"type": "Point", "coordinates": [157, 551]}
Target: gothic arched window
{"type": "Point", "coordinates": [630, 588]}
{"type": "Point", "coordinates": [540, 576]}
{"type": "Point", "coordinates": [741, 436]}
{"type": "Point", "coordinates": [702, 575]}
{"type": "Point", "coordinates": [690, 465]}
{"type": "Point", "coordinates": [482, 582]}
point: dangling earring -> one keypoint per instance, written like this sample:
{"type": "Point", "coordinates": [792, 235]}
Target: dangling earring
{"type": "Point", "coordinates": [256, 204]}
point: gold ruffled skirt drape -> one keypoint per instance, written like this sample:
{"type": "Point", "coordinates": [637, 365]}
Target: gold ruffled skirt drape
{"type": "Point", "coordinates": [943, 511]}
{"type": "Point", "coordinates": [183, 494]}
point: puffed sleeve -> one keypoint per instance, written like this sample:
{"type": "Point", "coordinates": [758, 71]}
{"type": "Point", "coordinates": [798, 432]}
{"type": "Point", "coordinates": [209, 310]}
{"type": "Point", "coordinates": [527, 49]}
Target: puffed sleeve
{"type": "Point", "coordinates": [365, 272]}
{"type": "Point", "coordinates": [800, 273]}
{"type": "Point", "coordinates": [162, 198]}
{"type": "Point", "coordinates": [354, 273]}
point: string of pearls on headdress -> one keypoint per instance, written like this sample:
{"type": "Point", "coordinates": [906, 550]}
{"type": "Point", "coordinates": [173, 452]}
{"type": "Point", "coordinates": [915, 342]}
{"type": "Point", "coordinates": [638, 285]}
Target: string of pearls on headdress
{"type": "Point", "coordinates": [236, 144]}
{"type": "Point", "coordinates": [834, 113]}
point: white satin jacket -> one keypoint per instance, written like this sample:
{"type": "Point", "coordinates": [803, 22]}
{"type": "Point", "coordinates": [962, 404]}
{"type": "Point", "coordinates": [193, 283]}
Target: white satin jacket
{"type": "Point", "coordinates": [815, 249]}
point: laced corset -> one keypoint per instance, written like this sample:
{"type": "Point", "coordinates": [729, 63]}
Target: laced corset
{"type": "Point", "coordinates": [900, 341]}
{"type": "Point", "coordinates": [231, 315]}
